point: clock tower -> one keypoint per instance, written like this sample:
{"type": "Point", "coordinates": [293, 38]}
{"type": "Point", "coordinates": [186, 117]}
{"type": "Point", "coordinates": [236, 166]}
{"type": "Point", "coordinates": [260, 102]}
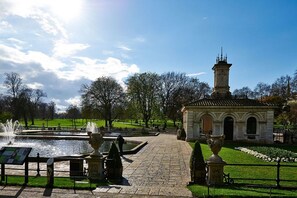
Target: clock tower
{"type": "Point", "coordinates": [221, 78]}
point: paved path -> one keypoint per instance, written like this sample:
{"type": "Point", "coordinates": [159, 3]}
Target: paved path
{"type": "Point", "coordinates": [160, 169]}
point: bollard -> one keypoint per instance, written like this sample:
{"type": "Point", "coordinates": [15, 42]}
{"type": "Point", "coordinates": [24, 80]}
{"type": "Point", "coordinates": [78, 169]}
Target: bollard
{"type": "Point", "coordinates": [277, 173]}
{"type": "Point", "coordinates": [50, 172]}
{"type": "Point", "coordinates": [38, 168]}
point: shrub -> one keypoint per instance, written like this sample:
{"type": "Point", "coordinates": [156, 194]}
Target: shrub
{"type": "Point", "coordinates": [197, 165]}
{"type": "Point", "coordinates": [114, 166]}
{"type": "Point", "coordinates": [181, 134]}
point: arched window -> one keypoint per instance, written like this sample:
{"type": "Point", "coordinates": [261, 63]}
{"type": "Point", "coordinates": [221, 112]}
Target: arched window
{"type": "Point", "coordinates": [251, 128]}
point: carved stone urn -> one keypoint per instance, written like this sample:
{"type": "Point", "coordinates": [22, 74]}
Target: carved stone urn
{"type": "Point", "coordinates": [95, 159]}
{"type": "Point", "coordinates": [215, 143]}
{"type": "Point", "coordinates": [95, 140]}
{"type": "Point", "coordinates": [215, 163]}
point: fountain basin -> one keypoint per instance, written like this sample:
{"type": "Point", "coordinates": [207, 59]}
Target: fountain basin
{"type": "Point", "coordinates": [58, 146]}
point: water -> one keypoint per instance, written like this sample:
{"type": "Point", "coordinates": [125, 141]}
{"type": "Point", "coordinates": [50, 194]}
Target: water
{"type": "Point", "coordinates": [56, 148]}
{"type": "Point", "coordinates": [10, 128]}
{"type": "Point", "coordinates": [92, 127]}
{"type": "Point", "coordinates": [53, 147]}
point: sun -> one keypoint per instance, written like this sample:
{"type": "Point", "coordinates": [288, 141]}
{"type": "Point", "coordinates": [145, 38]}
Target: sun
{"type": "Point", "coordinates": [66, 10]}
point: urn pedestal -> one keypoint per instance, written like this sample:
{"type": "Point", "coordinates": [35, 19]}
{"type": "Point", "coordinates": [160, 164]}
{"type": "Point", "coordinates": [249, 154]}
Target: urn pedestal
{"type": "Point", "coordinates": [95, 160]}
{"type": "Point", "coordinates": [215, 174]}
{"type": "Point", "coordinates": [95, 168]}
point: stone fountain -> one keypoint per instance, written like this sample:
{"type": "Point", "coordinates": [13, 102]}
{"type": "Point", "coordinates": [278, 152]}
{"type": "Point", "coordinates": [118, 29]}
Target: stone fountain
{"type": "Point", "coordinates": [10, 129]}
{"type": "Point", "coordinates": [95, 159]}
{"type": "Point", "coordinates": [215, 162]}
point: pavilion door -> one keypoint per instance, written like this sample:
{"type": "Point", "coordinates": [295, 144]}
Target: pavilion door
{"type": "Point", "coordinates": [228, 128]}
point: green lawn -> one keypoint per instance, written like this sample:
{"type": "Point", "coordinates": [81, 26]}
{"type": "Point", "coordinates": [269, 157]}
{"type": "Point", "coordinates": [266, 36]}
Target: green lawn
{"type": "Point", "coordinates": [232, 156]}
{"type": "Point", "coordinates": [59, 182]}
{"type": "Point", "coordinates": [80, 123]}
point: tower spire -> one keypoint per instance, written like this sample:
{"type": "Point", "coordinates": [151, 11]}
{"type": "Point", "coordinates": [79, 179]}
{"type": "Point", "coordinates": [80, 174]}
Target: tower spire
{"type": "Point", "coordinates": [221, 58]}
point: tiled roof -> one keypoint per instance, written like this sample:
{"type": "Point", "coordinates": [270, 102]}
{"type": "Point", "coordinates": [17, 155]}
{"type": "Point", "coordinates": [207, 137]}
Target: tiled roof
{"type": "Point", "coordinates": [228, 102]}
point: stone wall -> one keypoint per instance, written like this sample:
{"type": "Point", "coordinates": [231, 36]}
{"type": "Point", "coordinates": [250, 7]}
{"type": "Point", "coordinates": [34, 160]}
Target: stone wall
{"type": "Point", "coordinates": [264, 119]}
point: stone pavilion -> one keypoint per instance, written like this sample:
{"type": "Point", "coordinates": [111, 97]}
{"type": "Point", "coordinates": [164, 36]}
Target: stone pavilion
{"type": "Point", "coordinates": [239, 119]}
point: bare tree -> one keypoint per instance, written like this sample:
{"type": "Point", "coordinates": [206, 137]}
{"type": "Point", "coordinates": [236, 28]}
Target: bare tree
{"type": "Point", "coordinates": [14, 84]}
{"type": "Point", "coordinates": [281, 87]}
{"type": "Point", "coordinates": [192, 90]}
{"type": "Point", "coordinates": [170, 84]}
{"type": "Point", "coordinates": [36, 97]}
{"type": "Point", "coordinates": [51, 110]}
{"type": "Point", "coordinates": [262, 90]}
{"type": "Point", "coordinates": [244, 92]}
{"type": "Point", "coordinates": [106, 95]}
{"type": "Point", "coordinates": [73, 113]}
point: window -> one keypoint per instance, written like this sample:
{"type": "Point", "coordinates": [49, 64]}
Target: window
{"type": "Point", "coordinates": [251, 128]}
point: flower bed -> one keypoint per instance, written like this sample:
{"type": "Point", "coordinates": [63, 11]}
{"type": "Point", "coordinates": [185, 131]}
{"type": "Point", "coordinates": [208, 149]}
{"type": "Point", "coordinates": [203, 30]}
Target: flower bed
{"type": "Point", "coordinates": [270, 154]}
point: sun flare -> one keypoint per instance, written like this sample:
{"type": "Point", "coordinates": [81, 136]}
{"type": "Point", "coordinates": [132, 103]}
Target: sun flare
{"type": "Point", "coordinates": [66, 10]}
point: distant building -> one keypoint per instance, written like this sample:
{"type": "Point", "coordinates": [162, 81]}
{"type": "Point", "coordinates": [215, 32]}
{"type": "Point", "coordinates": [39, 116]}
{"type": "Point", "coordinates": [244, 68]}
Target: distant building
{"type": "Point", "coordinates": [222, 113]}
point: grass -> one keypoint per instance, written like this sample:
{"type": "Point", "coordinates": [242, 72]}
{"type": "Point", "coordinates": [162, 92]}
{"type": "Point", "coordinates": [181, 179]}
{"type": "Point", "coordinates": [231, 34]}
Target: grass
{"type": "Point", "coordinates": [240, 191]}
{"type": "Point", "coordinates": [81, 123]}
{"type": "Point", "coordinates": [59, 182]}
{"type": "Point", "coordinates": [232, 156]}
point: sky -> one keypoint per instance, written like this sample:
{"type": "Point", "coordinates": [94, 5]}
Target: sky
{"type": "Point", "coordinates": [58, 45]}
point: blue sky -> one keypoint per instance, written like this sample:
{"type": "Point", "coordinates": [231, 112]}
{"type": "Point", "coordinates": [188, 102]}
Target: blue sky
{"type": "Point", "coordinates": [57, 45]}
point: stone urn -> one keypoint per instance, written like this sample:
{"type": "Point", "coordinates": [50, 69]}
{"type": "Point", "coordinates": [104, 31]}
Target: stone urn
{"type": "Point", "coordinates": [95, 140]}
{"type": "Point", "coordinates": [215, 143]}
{"type": "Point", "coordinates": [95, 160]}
{"type": "Point", "coordinates": [215, 174]}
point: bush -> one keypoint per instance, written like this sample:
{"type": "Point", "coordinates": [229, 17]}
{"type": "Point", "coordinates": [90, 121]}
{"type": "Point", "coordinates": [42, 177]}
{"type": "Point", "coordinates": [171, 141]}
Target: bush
{"type": "Point", "coordinates": [197, 165]}
{"type": "Point", "coordinates": [183, 134]}
{"type": "Point", "coordinates": [114, 166]}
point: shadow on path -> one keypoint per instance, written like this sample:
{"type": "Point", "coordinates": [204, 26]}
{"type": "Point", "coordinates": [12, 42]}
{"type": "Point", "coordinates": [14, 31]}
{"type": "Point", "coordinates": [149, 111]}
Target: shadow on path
{"type": "Point", "coordinates": [48, 192]}
{"type": "Point", "coordinates": [127, 159]}
{"type": "Point", "coordinates": [16, 195]}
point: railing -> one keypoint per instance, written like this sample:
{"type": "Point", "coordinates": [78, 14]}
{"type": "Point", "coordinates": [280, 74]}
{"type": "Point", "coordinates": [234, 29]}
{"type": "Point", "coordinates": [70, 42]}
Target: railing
{"type": "Point", "coordinates": [76, 169]}
{"type": "Point", "coordinates": [278, 166]}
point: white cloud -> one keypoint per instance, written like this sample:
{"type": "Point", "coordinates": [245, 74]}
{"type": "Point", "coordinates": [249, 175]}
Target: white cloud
{"type": "Point", "coordinates": [36, 10]}
{"type": "Point", "coordinates": [123, 47]}
{"type": "Point", "coordinates": [94, 68]}
{"type": "Point", "coordinates": [50, 24]}
{"type": "Point", "coordinates": [196, 74]}
{"type": "Point", "coordinates": [35, 85]}
{"type": "Point", "coordinates": [62, 48]}
{"type": "Point", "coordinates": [6, 27]}
{"type": "Point", "coordinates": [18, 44]}
{"type": "Point", "coordinates": [16, 56]}
{"type": "Point", "coordinates": [14, 40]}
{"type": "Point", "coordinates": [76, 101]}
